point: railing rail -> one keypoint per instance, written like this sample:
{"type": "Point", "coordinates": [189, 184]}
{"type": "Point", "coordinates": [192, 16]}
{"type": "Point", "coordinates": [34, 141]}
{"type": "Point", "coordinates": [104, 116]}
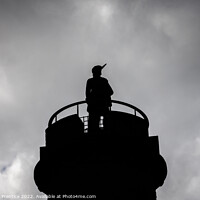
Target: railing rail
{"type": "Point", "coordinates": [77, 104]}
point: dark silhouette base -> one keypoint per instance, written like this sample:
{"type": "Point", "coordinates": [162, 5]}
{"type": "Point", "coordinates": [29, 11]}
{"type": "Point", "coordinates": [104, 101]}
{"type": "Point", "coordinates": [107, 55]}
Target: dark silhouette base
{"type": "Point", "coordinates": [122, 161]}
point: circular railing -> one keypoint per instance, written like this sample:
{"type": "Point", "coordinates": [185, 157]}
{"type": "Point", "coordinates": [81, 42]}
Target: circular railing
{"type": "Point", "coordinates": [136, 110]}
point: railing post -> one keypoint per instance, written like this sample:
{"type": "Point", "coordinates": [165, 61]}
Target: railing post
{"type": "Point", "coordinates": [78, 109]}
{"type": "Point", "coordinates": [134, 112]}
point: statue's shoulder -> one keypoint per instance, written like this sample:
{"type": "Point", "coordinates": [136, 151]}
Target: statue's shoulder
{"type": "Point", "coordinates": [104, 79]}
{"type": "Point", "coordinates": [89, 80]}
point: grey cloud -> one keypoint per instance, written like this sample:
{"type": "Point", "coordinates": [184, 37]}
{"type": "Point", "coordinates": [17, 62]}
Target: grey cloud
{"type": "Point", "coordinates": [152, 50]}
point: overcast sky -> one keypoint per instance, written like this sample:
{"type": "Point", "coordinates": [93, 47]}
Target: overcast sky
{"type": "Point", "coordinates": [47, 50]}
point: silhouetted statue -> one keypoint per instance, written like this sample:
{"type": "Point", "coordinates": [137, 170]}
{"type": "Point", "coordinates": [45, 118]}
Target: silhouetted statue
{"type": "Point", "coordinates": [98, 98]}
{"type": "Point", "coordinates": [122, 163]}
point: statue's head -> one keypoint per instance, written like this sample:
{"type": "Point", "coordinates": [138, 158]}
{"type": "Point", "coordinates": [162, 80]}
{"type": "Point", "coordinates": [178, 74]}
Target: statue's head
{"type": "Point", "coordinates": [96, 70]}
